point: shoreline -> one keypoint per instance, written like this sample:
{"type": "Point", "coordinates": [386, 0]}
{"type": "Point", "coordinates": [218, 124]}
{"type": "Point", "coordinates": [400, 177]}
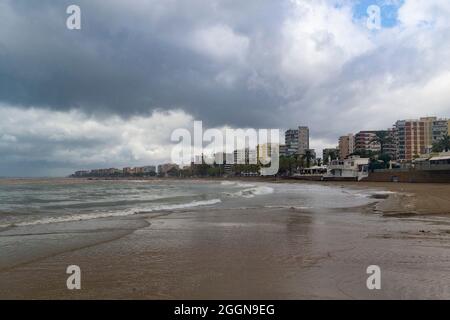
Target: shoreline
{"type": "Point", "coordinates": [406, 199]}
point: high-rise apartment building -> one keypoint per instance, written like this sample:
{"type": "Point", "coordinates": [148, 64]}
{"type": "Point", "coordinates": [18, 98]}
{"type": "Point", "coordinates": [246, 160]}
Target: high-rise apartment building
{"type": "Point", "coordinates": [428, 123]}
{"type": "Point", "coordinates": [346, 146]}
{"type": "Point", "coordinates": [389, 146]}
{"type": "Point", "coordinates": [367, 142]}
{"type": "Point", "coordinates": [303, 140]}
{"type": "Point", "coordinates": [291, 142]}
{"type": "Point", "coordinates": [297, 141]}
{"type": "Point", "coordinates": [440, 130]}
{"type": "Point", "coordinates": [410, 139]}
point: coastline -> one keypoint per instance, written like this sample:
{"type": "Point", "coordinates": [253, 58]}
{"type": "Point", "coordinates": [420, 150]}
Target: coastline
{"type": "Point", "coordinates": [405, 199]}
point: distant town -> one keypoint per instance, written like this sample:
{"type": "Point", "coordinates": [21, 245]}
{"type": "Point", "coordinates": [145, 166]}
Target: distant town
{"type": "Point", "coordinates": [411, 150]}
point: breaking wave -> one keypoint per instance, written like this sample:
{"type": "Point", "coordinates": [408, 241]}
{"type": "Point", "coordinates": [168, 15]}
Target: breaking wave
{"type": "Point", "coordinates": [129, 212]}
{"type": "Point", "coordinates": [251, 192]}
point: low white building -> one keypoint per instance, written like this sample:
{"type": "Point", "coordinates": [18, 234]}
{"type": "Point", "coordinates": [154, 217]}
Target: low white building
{"type": "Point", "coordinates": [353, 167]}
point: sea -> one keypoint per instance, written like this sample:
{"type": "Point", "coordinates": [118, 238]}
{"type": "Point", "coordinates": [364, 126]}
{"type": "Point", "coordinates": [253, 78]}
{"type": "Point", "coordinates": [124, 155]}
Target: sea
{"type": "Point", "coordinates": [25, 202]}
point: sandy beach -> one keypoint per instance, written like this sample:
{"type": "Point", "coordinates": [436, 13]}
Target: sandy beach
{"type": "Point", "coordinates": [245, 253]}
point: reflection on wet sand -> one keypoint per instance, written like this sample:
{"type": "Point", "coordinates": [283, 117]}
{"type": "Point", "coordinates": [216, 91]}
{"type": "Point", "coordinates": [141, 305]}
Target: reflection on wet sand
{"type": "Point", "coordinates": [270, 252]}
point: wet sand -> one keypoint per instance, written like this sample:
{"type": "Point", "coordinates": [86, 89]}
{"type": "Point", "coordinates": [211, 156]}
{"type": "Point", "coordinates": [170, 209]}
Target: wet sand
{"type": "Point", "coordinates": [410, 198]}
{"type": "Point", "coordinates": [277, 253]}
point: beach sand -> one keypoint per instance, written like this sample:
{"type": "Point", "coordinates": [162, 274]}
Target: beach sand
{"type": "Point", "coordinates": [410, 198]}
{"type": "Point", "coordinates": [270, 253]}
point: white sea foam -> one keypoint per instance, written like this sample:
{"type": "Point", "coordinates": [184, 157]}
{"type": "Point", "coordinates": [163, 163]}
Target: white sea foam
{"type": "Point", "coordinates": [129, 212]}
{"type": "Point", "coordinates": [237, 184]}
{"type": "Point", "coordinates": [228, 183]}
{"type": "Point", "coordinates": [252, 191]}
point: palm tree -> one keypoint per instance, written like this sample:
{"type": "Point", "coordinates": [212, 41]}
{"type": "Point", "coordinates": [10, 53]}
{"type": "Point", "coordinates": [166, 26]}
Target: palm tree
{"type": "Point", "coordinates": [308, 156]}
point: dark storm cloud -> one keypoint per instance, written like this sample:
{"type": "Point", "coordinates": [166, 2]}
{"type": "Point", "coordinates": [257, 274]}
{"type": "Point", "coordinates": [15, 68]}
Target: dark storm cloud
{"type": "Point", "coordinates": [130, 57]}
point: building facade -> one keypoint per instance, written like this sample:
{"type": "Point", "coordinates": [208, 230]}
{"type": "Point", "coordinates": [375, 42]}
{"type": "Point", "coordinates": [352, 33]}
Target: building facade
{"type": "Point", "coordinates": [163, 169]}
{"type": "Point", "coordinates": [297, 141]}
{"type": "Point", "coordinates": [440, 129]}
{"type": "Point", "coordinates": [303, 140]}
{"type": "Point", "coordinates": [346, 146]}
{"type": "Point", "coordinates": [410, 139]}
{"type": "Point", "coordinates": [367, 142]}
{"type": "Point", "coordinates": [291, 142]}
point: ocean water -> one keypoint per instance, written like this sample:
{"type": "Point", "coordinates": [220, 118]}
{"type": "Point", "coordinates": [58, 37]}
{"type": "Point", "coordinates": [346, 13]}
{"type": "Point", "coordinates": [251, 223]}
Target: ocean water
{"type": "Point", "coordinates": [46, 201]}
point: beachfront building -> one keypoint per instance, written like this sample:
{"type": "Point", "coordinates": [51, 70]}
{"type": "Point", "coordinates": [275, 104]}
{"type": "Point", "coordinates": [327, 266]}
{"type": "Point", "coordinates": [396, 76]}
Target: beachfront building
{"type": "Point", "coordinates": [428, 132]}
{"type": "Point", "coordinates": [303, 140]}
{"type": "Point", "coordinates": [291, 142]}
{"type": "Point", "coordinates": [440, 129]}
{"type": "Point", "coordinates": [297, 141]}
{"type": "Point", "coordinates": [410, 139]}
{"type": "Point", "coordinates": [366, 142]}
{"type": "Point", "coordinates": [149, 170]}
{"type": "Point", "coordinates": [433, 161]}
{"type": "Point", "coordinates": [165, 169]}
{"type": "Point", "coordinates": [389, 146]}
{"type": "Point", "coordinates": [81, 173]}
{"type": "Point", "coordinates": [346, 146]}
{"type": "Point", "coordinates": [105, 172]}
{"type": "Point", "coordinates": [352, 168]}
{"type": "Point", "coordinates": [245, 156]}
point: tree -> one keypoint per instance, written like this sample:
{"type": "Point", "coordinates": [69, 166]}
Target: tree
{"type": "Point", "coordinates": [332, 154]}
{"type": "Point", "coordinates": [286, 165]}
{"type": "Point", "coordinates": [383, 138]}
{"type": "Point", "coordinates": [442, 145]}
{"type": "Point", "coordinates": [308, 156]}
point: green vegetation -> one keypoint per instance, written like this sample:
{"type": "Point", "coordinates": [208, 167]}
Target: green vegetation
{"type": "Point", "coordinates": [442, 145]}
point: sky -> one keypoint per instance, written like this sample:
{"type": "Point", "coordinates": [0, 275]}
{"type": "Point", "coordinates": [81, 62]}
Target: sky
{"type": "Point", "coordinates": [111, 94]}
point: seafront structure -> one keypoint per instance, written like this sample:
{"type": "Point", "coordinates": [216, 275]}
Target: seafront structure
{"type": "Point", "coordinates": [352, 168]}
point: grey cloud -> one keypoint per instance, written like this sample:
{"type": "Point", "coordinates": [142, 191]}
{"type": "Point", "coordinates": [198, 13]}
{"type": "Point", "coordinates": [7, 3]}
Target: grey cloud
{"type": "Point", "coordinates": [130, 57]}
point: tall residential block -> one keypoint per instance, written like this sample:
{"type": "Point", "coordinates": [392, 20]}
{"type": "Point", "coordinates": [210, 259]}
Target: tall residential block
{"type": "Point", "coordinates": [291, 142]}
{"type": "Point", "coordinates": [297, 141]}
{"type": "Point", "coordinates": [367, 142]}
{"type": "Point", "coordinates": [440, 130]}
{"type": "Point", "coordinates": [346, 145]}
{"type": "Point", "coordinates": [428, 123]}
{"type": "Point", "coordinates": [303, 140]}
{"type": "Point", "coordinates": [411, 140]}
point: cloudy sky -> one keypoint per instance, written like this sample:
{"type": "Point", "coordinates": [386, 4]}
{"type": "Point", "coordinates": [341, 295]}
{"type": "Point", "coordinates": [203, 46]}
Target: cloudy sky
{"type": "Point", "coordinates": [111, 93]}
